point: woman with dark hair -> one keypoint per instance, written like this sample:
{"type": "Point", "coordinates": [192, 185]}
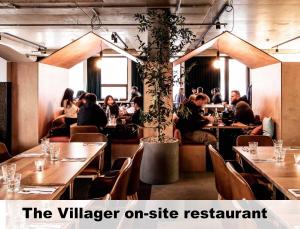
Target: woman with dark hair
{"type": "Point", "coordinates": [111, 106]}
{"type": "Point", "coordinates": [70, 109]}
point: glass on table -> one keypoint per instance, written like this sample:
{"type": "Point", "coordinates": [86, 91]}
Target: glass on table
{"type": "Point", "coordinates": [253, 147]}
{"type": "Point", "coordinates": [13, 183]}
{"type": "Point", "coordinates": [297, 158]}
{"type": "Point", "coordinates": [54, 153]}
{"type": "Point", "coordinates": [8, 172]}
{"type": "Point", "coordinates": [39, 165]}
{"type": "Point", "coordinates": [45, 143]}
{"type": "Point", "coordinates": [280, 154]}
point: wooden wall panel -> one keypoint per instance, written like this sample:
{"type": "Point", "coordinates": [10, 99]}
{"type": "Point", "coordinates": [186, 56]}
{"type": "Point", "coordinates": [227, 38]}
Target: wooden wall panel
{"type": "Point", "coordinates": [291, 103]}
{"type": "Point", "coordinates": [266, 93]}
{"type": "Point", "coordinates": [24, 77]}
{"type": "Point", "coordinates": [52, 83]}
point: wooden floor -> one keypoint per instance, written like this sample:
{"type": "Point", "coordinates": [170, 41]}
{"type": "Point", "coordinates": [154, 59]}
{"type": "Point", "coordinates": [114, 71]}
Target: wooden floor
{"type": "Point", "coordinates": [191, 186]}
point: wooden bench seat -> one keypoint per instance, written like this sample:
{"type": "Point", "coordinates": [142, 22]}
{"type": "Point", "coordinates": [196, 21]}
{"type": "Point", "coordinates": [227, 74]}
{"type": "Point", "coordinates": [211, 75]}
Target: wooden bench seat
{"type": "Point", "coordinates": [192, 155]}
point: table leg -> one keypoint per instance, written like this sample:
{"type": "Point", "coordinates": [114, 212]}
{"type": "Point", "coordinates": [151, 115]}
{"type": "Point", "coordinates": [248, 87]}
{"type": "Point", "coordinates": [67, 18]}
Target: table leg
{"type": "Point", "coordinates": [71, 190]}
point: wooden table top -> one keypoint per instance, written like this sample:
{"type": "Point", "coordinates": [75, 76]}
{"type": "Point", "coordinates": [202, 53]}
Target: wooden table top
{"type": "Point", "coordinates": [237, 125]}
{"type": "Point", "coordinates": [283, 175]}
{"type": "Point", "coordinates": [56, 173]}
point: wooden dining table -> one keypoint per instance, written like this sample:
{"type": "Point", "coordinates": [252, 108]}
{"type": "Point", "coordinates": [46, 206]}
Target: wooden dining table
{"type": "Point", "coordinates": [282, 175]}
{"type": "Point", "coordinates": [60, 173]}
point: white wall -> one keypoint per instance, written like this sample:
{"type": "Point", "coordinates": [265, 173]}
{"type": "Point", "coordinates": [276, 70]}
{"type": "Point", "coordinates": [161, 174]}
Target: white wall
{"type": "Point", "coordinates": [77, 76]}
{"type": "Point", "coordinates": [52, 82]}
{"type": "Point", "coordinates": [3, 70]}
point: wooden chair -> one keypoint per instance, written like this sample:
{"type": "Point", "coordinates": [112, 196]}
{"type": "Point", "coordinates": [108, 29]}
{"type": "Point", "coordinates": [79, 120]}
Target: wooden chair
{"type": "Point", "coordinates": [96, 166]}
{"type": "Point", "coordinates": [222, 176]}
{"type": "Point", "coordinates": [243, 140]}
{"type": "Point", "coordinates": [134, 180]}
{"type": "Point", "coordinates": [75, 129]}
{"type": "Point", "coordinates": [119, 190]}
{"type": "Point", "coordinates": [240, 189]}
{"type": "Point", "coordinates": [4, 154]}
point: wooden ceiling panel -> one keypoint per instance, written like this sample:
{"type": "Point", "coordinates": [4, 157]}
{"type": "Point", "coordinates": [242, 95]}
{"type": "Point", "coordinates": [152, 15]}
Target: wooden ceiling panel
{"type": "Point", "coordinates": [12, 55]}
{"type": "Point", "coordinates": [81, 49]}
{"type": "Point", "coordinates": [236, 48]}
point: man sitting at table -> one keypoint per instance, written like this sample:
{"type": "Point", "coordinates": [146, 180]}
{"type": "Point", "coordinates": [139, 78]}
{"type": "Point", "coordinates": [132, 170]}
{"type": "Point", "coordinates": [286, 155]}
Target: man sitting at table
{"type": "Point", "coordinates": [91, 114]}
{"type": "Point", "coordinates": [191, 122]}
{"type": "Point", "coordinates": [241, 108]}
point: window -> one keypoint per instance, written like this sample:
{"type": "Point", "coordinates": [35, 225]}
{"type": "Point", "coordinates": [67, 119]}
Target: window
{"type": "Point", "coordinates": [237, 77]}
{"type": "Point", "coordinates": [114, 80]}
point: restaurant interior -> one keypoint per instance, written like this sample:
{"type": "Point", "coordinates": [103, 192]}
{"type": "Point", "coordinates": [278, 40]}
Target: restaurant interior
{"type": "Point", "coordinates": [139, 100]}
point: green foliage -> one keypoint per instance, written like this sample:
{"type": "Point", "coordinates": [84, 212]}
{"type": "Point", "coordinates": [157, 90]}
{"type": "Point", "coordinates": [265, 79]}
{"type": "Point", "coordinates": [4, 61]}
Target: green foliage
{"type": "Point", "coordinates": [168, 37]}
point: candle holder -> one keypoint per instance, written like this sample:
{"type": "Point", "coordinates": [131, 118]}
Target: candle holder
{"type": "Point", "coordinates": [39, 165]}
{"type": "Point", "coordinates": [297, 158]}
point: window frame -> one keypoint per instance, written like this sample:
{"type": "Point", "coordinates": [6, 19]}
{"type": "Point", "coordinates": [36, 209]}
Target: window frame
{"type": "Point", "coordinates": [117, 85]}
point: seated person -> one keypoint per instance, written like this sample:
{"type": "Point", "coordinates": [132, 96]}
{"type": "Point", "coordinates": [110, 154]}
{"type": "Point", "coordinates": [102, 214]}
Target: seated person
{"type": "Point", "coordinates": [91, 114]}
{"type": "Point", "coordinates": [134, 93]}
{"type": "Point", "coordinates": [70, 108]}
{"type": "Point", "coordinates": [180, 97]}
{"type": "Point", "coordinates": [81, 100]}
{"type": "Point", "coordinates": [109, 103]}
{"type": "Point", "coordinates": [216, 96]}
{"type": "Point", "coordinates": [138, 106]}
{"type": "Point", "coordinates": [242, 110]}
{"type": "Point", "coordinates": [191, 123]}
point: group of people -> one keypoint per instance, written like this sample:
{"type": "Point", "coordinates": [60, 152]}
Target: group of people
{"type": "Point", "coordinates": [192, 120]}
{"type": "Point", "coordinates": [84, 109]}
{"type": "Point", "coordinates": [180, 97]}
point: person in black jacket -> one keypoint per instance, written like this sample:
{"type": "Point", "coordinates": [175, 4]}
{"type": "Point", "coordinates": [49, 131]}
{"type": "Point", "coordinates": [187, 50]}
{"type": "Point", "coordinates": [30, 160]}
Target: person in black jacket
{"type": "Point", "coordinates": [216, 96]}
{"type": "Point", "coordinates": [110, 103]}
{"type": "Point", "coordinates": [138, 105]}
{"type": "Point", "coordinates": [91, 114]}
{"type": "Point", "coordinates": [191, 122]}
{"type": "Point", "coordinates": [242, 110]}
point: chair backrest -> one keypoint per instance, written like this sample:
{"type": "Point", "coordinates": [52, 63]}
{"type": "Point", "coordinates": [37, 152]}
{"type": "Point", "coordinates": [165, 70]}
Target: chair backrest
{"type": "Point", "coordinates": [4, 154]}
{"type": "Point", "coordinates": [243, 140]}
{"type": "Point", "coordinates": [240, 189]}
{"type": "Point", "coordinates": [119, 190]}
{"type": "Point", "coordinates": [222, 179]}
{"type": "Point", "coordinates": [134, 179]}
{"type": "Point", "coordinates": [74, 129]}
{"type": "Point", "coordinates": [88, 137]}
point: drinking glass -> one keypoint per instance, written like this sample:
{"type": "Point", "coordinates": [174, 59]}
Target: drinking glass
{"type": "Point", "coordinates": [39, 165]}
{"type": "Point", "coordinates": [297, 158]}
{"type": "Point", "coordinates": [10, 171]}
{"type": "Point", "coordinates": [277, 146]}
{"type": "Point", "coordinates": [280, 154]}
{"type": "Point", "coordinates": [13, 183]}
{"type": "Point", "coordinates": [17, 183]}
{"type": "Point", "coordinates": [253, 147]}
{"type": "Point", "coordinates": [45, 145]}
{"type": "Point", "coordinates": [4, 173]}
{"type": "Point", "coordinates": [54, 153]}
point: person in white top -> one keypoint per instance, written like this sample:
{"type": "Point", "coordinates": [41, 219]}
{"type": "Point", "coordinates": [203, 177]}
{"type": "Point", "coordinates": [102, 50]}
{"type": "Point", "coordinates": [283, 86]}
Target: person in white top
{"type": "Point", "coordinates": [70, 109]}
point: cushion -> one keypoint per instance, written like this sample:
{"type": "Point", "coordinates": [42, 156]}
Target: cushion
{"type": "Point", "coordinates": [59, 139]}
{"type": "Point", "coordinates": [257, 130]}
{"type": "Point", "coordinates": [268, 127]}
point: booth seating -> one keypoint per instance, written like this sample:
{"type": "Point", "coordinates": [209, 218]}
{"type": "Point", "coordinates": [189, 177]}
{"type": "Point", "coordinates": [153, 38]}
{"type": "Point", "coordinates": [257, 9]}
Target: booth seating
{"type": "Point", "coordinates": [125, 147]}
{"type": "Point", "coordinates": [75, 129]}
{"type": "Point", "coordinates": [57, 130]}
{"type": "Point", "coordinates": [192, 155]}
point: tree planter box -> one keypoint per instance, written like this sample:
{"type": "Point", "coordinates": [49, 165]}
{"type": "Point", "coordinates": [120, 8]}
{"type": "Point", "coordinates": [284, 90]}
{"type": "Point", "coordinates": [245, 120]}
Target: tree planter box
{"type": "Point", "coordinates": [160, 163]}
